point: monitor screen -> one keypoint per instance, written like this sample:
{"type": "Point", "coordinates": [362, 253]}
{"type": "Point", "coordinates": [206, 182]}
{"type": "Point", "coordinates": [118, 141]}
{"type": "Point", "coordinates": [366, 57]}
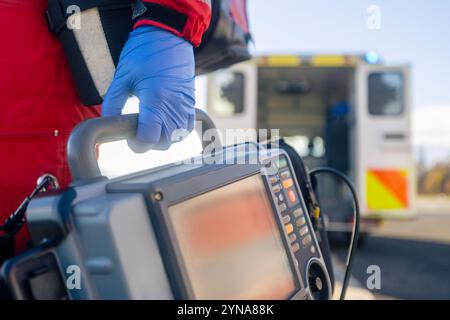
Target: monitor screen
{"type": "Point", "coordinates": [230, 245]}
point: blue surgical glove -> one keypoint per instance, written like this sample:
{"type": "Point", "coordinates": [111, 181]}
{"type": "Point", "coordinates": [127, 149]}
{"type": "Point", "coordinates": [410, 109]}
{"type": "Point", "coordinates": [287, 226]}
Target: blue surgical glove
{"type": "Point", "coordinates": [157, 67]}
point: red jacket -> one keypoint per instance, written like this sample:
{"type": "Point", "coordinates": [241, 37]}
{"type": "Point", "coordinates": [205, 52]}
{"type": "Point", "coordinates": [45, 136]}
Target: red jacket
{"type": "Point", "coordinates": [38, 103]}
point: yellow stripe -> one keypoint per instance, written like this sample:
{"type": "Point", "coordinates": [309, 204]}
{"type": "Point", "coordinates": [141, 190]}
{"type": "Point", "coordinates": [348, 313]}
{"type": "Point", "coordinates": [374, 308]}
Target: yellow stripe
{"type": "Point", "coordinates": [379, 197]}
{"type": "Point", "coordinates": [329, 61]}
{"type": "Point", "coordinates": [282, 61]}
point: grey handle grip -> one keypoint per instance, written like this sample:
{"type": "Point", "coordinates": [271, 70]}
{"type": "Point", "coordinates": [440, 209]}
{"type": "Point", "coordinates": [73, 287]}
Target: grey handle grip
{"type": "Point", "coordinates": [81, 147]}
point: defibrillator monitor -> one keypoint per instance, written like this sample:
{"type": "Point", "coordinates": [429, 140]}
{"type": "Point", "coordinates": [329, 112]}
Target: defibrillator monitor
{"type": "Point", "coordinates": [230, 245]}
{"type": "Point", "coordinates": [232, 231]}
{"type": "Point", "coordinates": [195, 230]}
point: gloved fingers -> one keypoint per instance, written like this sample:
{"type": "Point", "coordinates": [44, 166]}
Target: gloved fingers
{"type": "Point", "coordinates": [165, 107]}
{"type": "Point", "coordinates": [159, 68]}
{"type": "Point", "coordinates": [155, 134]}
{"type": "Point", "coordinates": [149, 130]}
{"type": "Point", "coordinates": [178, 133]}
{"type": "Point", "coordinates": [115, 98]}
{"type": "Point", "coordinates": [176, 127]}
{"type": "Point", "coordinates": [138, 147]}
{"type": "Point", "coordinates": [191, 122]}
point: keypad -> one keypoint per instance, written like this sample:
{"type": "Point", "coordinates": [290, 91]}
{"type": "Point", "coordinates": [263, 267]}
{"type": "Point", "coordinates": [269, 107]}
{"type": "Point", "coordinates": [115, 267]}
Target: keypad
{"type": "Point", "coordinates": [274, 180]}
{"type": "Point", "coordinates": [304, 231]}
{"type": "Point", "coordinates": [300, 222]}
{"type": "Point", "coordinates": [276, 188]}
{"type": "Point", "coordinates": [286, 219]}
{"type": "Point", "coordinates": [295, 247]}
{"type": "Point", "coordinates": [292, 196]}
{"type": "Point", "coordinates": [307, 240]}
{"type": "Point", "coordinates": [289, 228]}
{"type": "Point", "coordinates": [298, 213]}
{"type": "Point", "coordinates": [285, 174]}
{"type": "Point", "coordinates": [292, 237]}
{"type": "Point", "coordinates": [294, 219]}
{"type": "Point", "coordinates": [287, 183]}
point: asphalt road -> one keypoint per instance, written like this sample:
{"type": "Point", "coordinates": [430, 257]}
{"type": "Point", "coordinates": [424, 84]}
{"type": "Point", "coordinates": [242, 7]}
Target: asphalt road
{"type": "Point", "coordinates": [414, 258]}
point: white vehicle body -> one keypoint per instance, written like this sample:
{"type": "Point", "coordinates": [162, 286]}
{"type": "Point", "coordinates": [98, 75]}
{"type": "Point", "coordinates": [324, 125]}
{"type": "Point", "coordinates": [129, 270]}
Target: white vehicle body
{"type": "Point", "coordinates": [302, 96]}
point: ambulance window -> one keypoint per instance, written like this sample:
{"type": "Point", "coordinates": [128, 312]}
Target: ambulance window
{"type": "Point", "coordinates": [300, 144]}
{"type": "Point", "coordinates": [226, 93]}
{"type": "Point", "coordinates": [386, 94]}
{"type": "Point", "coordinates": [318, 147]}
{"type": "Point", "coordinates": [307, 147]}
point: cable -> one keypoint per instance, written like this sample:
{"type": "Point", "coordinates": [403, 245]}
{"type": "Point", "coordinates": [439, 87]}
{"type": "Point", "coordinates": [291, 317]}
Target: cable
{"type": "Point", "coordinates": [355, 231]}
{"type": "Point", "coordinates": [15, 221]}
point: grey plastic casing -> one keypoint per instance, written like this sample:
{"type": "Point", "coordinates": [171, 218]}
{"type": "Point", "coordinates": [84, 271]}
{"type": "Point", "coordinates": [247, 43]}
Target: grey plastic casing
{"type": "Point", "coordinates": [108, 237]}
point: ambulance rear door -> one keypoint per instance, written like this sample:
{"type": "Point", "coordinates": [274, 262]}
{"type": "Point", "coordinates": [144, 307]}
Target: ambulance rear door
{"type": "Point", "coordinates": [384, 164]}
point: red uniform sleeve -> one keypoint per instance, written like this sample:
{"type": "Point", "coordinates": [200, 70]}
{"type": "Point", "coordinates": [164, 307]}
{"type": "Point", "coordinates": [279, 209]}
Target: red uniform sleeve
{"type": "Point", "coordinates": [195, 18]}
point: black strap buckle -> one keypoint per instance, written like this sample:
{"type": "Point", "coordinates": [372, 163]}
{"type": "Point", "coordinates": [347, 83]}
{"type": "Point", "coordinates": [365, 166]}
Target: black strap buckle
{"type": "Point", "coordinates": [56, 18]}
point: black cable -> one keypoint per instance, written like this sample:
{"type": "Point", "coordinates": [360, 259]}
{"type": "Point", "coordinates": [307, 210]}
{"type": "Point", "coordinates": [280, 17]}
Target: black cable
{"type": "Point", "coordinates": [355, 231]}
{"type": "Point", "coordinates": [15, 221]}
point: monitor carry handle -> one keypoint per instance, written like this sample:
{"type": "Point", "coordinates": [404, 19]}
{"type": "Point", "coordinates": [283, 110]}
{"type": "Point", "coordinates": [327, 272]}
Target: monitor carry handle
{"type": "Point", "coordinates": [81, 147]}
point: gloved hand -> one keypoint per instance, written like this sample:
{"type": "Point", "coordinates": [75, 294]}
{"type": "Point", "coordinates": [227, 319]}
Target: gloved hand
{"type": "Point", "coordinates": [157, 67]}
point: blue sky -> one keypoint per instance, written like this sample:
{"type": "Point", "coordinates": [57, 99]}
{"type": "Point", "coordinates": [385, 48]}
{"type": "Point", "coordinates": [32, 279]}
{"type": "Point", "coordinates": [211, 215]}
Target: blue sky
{"type": "Point", "coordinates": [413, 32]}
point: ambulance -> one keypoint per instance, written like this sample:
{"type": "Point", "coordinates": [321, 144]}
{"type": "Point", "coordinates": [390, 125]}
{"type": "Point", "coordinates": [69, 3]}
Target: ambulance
{"type": "Point", "coordinates": [349, 112]}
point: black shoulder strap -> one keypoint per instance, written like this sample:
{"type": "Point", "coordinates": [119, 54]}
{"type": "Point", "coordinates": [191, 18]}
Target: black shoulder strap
{"type": "Point", "coordinates": [59, 10]}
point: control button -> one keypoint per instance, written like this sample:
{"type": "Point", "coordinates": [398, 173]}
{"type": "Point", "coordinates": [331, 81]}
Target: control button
{"type": "Point", "coordinates": [280, 197]}
{"type": "Point", "coordinates": [276, 188]}
{"type": "Point", "coordinates": [318, 284]}
{"type": "Point", "coordinates": [300, 222]}
{"type": "Point", "coordinates": [304, 231]}
{"type": "Point", "coordinates": [292, 196]}
{"type": "Point", "coordinates": [286, 219]}
{"type": "Point", "coordinates": [292, 237]}
{"type": "Point", "coordinates": [289, 228]}
{"type": "Point", "coordinates": [288, 183]}
{"type": "Point", "coordinates": [295, 247]}
{"type": "Point", "coordinates": [285, 175]}
{"type": "Point", "coordinates": [283, 207]}
{"type": "Point", "coordinates": [298, 213]}
{"type": "Point", "coordinates": [307, 240]}
{"type": "Point", "coordinates": [273, 180]}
